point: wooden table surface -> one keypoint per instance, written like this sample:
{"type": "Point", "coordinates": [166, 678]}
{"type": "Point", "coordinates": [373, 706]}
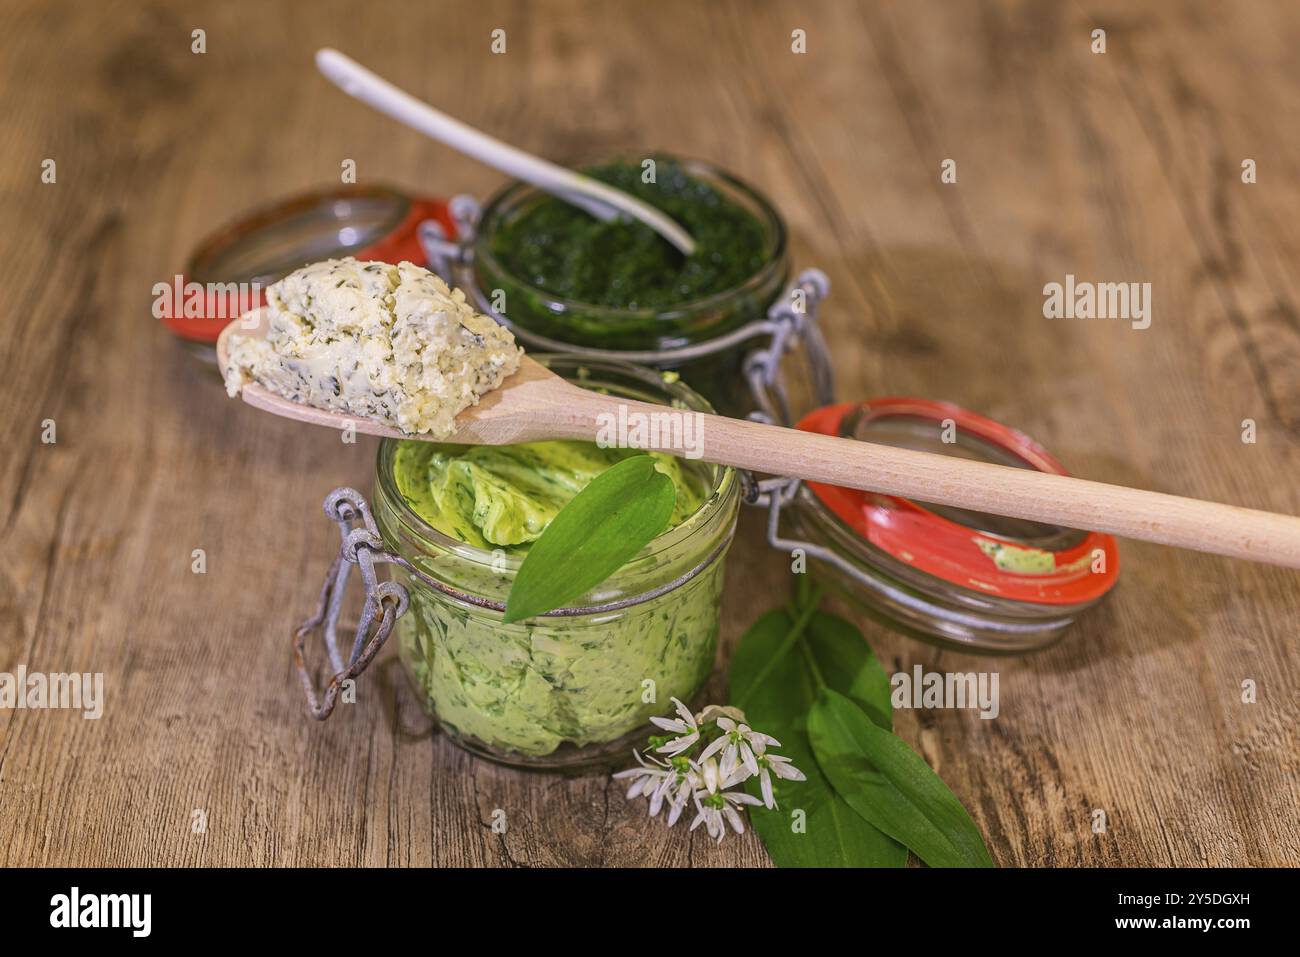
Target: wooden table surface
{"type": "Point", "coordinates": [1122, 166]}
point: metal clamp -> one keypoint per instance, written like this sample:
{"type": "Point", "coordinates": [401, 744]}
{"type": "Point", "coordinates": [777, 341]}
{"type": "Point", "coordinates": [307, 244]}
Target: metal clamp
{"type": "Point", "coordinates": [774, 494]}
{"type": "Point", "coordinates": [444, 255]}
{"type": "Point", "coordinates": [385, 602]}
{"type": "Point", "coordinates": [791, 322]}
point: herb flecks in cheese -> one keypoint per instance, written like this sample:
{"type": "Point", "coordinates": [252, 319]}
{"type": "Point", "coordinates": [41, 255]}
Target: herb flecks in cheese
{"type": "Point", "coordinates": [390, 343]}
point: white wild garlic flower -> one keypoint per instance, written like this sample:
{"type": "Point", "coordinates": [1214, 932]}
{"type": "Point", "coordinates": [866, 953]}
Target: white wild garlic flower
{"type": "Point", "coordinates": [738, 745]}
{"type": "Point", "coordinates": [730, 753]}
{"type": "Point", "coordinates": [716, 811]}
{"type": "Point", "coordinates": [685, 727]}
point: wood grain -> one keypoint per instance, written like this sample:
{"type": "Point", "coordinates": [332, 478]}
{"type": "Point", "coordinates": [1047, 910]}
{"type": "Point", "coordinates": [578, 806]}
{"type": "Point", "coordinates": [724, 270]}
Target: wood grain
{"type": "Point", "coordinates": [1123, 166]}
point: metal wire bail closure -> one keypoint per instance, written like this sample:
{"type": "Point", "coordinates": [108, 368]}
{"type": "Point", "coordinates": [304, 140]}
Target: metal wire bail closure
{"type": "Point", "coordinates": [385, 602]}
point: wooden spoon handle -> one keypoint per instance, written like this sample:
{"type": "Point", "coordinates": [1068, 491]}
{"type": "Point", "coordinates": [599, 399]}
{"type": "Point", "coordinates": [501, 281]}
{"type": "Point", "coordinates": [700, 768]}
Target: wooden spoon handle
{"type": "Point", "coordinates": [997, 489]}
{"type": "Point", "coordinates": [1004, 490]}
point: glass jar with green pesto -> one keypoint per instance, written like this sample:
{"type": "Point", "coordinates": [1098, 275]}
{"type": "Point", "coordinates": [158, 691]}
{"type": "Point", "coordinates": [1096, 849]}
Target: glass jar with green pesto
{"type": "Point", "coordinates": [573, 687]}
{"type": "Point", "coordinates": [560, 278]}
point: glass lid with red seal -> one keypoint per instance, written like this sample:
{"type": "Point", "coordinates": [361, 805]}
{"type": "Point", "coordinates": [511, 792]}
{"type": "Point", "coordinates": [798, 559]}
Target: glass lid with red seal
{"type": "Point", "coordinates": [227, 274]}
{"type": "Point", "coordinates": [950, 576]}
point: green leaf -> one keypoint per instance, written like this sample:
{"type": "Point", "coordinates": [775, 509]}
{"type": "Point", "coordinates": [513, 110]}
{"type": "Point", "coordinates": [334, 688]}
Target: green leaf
{"type": "Point", "coordinates": [771, 679]}
{"type": "Point", "coordinates": [891, 786]}
{"type": "Point", "coordinates": [847, 664]}
{"type": "Point", "coordinates": [594, 535]}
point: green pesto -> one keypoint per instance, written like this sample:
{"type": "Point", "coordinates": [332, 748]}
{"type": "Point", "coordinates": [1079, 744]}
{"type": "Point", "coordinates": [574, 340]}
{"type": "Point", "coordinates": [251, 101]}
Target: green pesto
{"type": "Point", "coordinates": [624, 264]}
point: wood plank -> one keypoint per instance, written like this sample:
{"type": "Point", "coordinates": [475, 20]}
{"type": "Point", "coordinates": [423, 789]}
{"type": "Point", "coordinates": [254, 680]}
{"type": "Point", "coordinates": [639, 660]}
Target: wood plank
{"type": "Point", "coordinates": [1116, 167]}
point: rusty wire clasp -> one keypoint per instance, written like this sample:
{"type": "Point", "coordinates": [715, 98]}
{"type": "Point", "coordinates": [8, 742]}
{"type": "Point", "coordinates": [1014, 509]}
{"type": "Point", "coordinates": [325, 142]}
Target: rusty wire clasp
{"type": "Point", "coordinates": [791, 323]}
{"type": "Point", "coordinates": [385, 602]}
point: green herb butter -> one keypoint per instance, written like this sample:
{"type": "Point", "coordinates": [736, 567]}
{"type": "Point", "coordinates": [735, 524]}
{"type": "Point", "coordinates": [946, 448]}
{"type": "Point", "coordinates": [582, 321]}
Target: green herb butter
{"type": "Point", "coordinates": [529, 687]}
{"type": "Point", "coordinates": [494, 496]}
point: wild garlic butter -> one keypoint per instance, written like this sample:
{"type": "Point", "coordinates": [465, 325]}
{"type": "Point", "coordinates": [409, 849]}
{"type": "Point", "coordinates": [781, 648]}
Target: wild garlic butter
{"type": "Point", "coordinates": [528, 688]}
{"type": "Point", "coordinates": [389, 343]}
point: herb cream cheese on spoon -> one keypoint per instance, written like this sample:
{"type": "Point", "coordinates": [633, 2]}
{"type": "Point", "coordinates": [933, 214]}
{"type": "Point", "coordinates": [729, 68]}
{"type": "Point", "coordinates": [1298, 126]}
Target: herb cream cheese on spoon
{"type": "Point", "coordinates": [390, 343]}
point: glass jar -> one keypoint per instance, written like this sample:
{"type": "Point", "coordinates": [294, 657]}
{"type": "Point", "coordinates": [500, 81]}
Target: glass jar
{"type": "Point", "coordinates": [953, 577]}
{"type": "Point", "coordinates": [574, 687]}
{"type": "Point", "coordinates": [545, 321]}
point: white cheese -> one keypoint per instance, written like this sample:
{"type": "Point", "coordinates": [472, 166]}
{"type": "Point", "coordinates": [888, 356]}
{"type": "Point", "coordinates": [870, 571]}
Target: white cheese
{"type": "Point", "coordinates": [391, 343]}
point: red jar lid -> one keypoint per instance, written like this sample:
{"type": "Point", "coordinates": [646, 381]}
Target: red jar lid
{"type": "Point", "coordinates": [366, 222]}
{"type": "Point", "coordinates": [1007, 558]}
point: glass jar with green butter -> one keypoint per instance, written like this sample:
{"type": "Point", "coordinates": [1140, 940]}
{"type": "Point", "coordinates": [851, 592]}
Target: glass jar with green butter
{"type": "Point", "coordinates": [570, 687]}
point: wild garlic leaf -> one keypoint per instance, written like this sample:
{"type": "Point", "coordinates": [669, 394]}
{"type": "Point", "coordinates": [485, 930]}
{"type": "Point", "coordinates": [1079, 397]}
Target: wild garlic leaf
{"type": "Point", "coordinates": [847, 664]}
{"type": "Point", "coordinates": [891, 786]}
{"type": "Point", "coordinates": [594, 535]}
{"type": "Point", "coordinates": [774, 684]}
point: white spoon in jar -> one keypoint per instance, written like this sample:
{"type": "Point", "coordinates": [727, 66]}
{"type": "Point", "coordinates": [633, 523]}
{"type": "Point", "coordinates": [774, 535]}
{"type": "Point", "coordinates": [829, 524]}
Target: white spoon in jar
{"type": "Point", "coordinates": [597, 198]}
{"type": "Point", "coordinates": [535, 404]}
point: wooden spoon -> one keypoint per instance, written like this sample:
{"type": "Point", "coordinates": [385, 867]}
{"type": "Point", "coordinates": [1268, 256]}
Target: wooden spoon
{"type": "Point", "coordinates": [535, 404]}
